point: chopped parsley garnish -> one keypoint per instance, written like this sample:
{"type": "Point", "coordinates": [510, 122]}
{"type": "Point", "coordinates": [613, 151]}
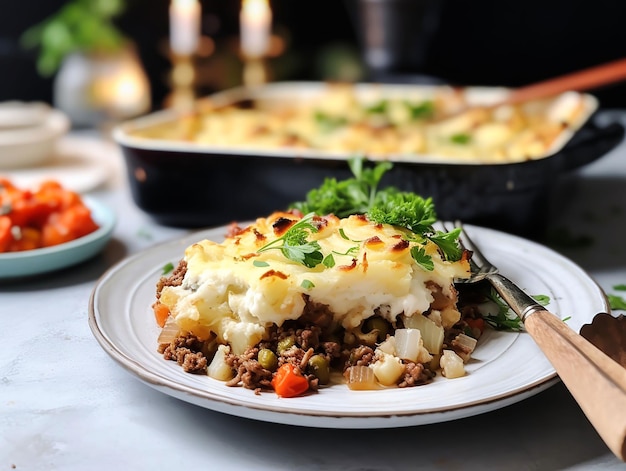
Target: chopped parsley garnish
{"type": "Point", "coordinates": [422, 258]}
{"type": "Point", "coordinates": [542, 299]}
{"type": "Point", "coordinates": [328, 123]}
{"type": "Point", "coordinates": [144, 233]}
{"type": "Point", "coordinates": [448, 243]}
{"type": "Point", "coordinates": [423, 110]}
{"type": "Point", "coordinates": [329, 261]}
{"type": "Point", "coordinates": [461, 138]}
{"type": "Point", "coordinates": [260, 264]}
{"type": "Point", "coordinates": [168, 267]}
{"type": "Point", "coordinates": [378, 108]}
{"type": "Point", "coordinates": [295, 246]}
{"type": "Point", "coordinates": [307, 284]}
{"type": "Point", "coordinates": [617, 302]}
{"type": "Point", "coordinates": [505, 318]}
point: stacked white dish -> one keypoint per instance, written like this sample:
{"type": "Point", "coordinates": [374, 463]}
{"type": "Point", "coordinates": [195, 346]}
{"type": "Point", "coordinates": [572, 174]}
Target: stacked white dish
{"type": "Point", "coordinates": [28, 133]}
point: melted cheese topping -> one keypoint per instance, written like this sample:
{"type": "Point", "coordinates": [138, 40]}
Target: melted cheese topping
{"type": "Point", "coordinates": [237, 293]}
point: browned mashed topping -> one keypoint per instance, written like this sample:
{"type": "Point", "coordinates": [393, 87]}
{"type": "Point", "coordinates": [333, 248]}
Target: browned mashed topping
{"type": "Point", "coordinates": [379, 122]}
{"type": "Point", "coordinates": [330, 322]}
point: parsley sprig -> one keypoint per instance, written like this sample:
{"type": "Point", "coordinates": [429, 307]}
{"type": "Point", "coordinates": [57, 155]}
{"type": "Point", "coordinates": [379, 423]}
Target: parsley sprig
{"type": "Point", "coordinates": [361, 195]}
{"type": "Point", "coordinates": [505, 318]}
{"type": "Point", "coordinates": [295, 244]}
{"type": "Point", "coordinates": [345, 197]}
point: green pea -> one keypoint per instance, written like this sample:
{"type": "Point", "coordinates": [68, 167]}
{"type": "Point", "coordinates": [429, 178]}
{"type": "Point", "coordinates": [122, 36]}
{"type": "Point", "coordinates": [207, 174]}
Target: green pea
{"type": "Point", "coordinates": [267, 359]}
{"type": "Point", "coordinates": [318, 366]}
{"type": "Point", "coordinates": [285, 344]}
{"type": "Point", "coordinates": [379, 324]}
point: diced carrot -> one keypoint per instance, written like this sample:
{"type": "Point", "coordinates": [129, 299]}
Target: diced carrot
{"type": "Point", "coordinates": [67, 225]}
{"type": "Point", "coordinates": [50, 215]}
{"type": "Point", "coordinates": [477, 323]}
{"type": "Point", "coordinates": [289, 382]}
{"type": "Point", "coordinates": [54, 233]}
{"type": "Point", "coordinates": [161, 313]}
{"type": "Point", "coordinates": [58, 196]}
{"type": "Point", "coordinates": [5, 233]}
{"type": "Point", "coordinates": [77, 219]}
{"type": "Point", "coordinates": [30, 238]}
{"type": "Point", "coordinates": [27, 211]}
{"type": "Point", "coordinates": [50, 185]}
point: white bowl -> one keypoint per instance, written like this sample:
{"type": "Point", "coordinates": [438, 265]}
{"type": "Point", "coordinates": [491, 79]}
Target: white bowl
{"type": "Point", "coordinates": [30, 145]}
{"type": "Point", "coordinates": [17, 114]}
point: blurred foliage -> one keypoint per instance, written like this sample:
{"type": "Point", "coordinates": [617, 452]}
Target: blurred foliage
{"type": "Point", "coordinates": [80, 25]}
{"type": "Point", "coordinates": [339, 61]}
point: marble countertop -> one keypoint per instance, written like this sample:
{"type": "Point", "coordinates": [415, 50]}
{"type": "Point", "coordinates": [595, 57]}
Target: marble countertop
{"type": "Point", "coordinates": [66, 405]}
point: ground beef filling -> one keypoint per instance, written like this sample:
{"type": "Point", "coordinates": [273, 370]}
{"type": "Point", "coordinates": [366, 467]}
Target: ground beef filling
{"type": "Point", "coordinates": [312, 336]}
{"type": "Point", "coordinates": [188, 352]}
{"type": "Point", "coordinates": [295, 342]}
{"type": "Point", "coordinates": [175, 279]}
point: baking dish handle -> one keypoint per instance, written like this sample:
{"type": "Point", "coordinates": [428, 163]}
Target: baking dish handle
{"type": "Point", "coordinates": [591, 142]}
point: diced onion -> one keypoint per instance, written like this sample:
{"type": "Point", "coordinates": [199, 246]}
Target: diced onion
{"type": "Point", "coordinates": [409, 346]}
{"type": "Point", "coordinates": [449, 317]}
{"type": "Point", "coordinates": [169, 332]}
{"type": "Point", "coordinates": [451, 365]}
{"type": "Point", "coordinates": [432, 334]}
{"type": "Point", "coordinates": [361, 378]}
{"type": "Point", "coordinates": [388, 345]}
{"type": "Point", "coordinates": [407, 343]}
{"type": "Point", "coordinates": [464, 345]}
{"type": "Point", "coordinates": [218, 369]}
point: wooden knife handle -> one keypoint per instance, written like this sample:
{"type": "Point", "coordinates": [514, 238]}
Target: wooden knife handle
{"type": "Point", "coordinates": [597, 382]}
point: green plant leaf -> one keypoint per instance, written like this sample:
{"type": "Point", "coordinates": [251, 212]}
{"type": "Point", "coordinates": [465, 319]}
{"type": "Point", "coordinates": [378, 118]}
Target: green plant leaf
{"type": "Point", "coordinates": [80, 25]}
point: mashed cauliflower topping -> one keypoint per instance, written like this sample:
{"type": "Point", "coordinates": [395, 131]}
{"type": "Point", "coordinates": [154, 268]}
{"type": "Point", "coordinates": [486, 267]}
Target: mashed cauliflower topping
{"type": "Point", "coordinates": [237, 291]}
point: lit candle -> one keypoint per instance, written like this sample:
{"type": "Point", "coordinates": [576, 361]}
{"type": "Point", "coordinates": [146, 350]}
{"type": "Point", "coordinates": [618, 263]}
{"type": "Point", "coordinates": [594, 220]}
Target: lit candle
{"type": "Point", "coordinates": [184, 26]}
{"type": "Point", "coordinates": [255, 24]}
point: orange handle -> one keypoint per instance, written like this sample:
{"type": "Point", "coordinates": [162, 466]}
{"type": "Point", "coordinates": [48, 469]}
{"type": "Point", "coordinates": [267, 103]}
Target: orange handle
{"type": "Point", "coordinates": [577, 81]}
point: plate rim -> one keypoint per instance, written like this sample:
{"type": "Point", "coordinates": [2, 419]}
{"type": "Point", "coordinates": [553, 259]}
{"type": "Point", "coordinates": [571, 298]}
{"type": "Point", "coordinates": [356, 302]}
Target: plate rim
{"type": "Point", "coordinates": [347, 419]}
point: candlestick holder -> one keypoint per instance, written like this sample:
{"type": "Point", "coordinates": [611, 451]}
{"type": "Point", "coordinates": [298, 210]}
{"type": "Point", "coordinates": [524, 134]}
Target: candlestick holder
{"type": "Point", "coordinates": [182, 78]}
{"type": "Point", "coordinates": [255, 71]}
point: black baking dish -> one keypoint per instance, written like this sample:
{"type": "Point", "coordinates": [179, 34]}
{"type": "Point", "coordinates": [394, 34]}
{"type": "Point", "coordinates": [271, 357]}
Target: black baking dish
{"type": "Point", "coordinates": [197, 186]}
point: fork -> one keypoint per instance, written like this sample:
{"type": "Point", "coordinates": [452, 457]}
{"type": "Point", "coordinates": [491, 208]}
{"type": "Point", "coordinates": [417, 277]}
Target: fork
{"type": "Point", "coordinates": [596, 381]}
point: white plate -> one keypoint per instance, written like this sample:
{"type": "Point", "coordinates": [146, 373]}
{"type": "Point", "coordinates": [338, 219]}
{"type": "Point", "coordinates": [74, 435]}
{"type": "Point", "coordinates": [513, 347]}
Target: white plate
{"type": "Point", "coordinates": [80, 163]}
{"type": "Point", "coordinates": [38, 261]}
{"type": "Point", "coordinates": [507, 367]}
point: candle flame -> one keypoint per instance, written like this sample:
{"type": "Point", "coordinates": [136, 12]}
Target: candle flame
{"type": "Point", "coordinates": [255, 8]}
{"type": "Point", "coordinates": [184, 3]}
